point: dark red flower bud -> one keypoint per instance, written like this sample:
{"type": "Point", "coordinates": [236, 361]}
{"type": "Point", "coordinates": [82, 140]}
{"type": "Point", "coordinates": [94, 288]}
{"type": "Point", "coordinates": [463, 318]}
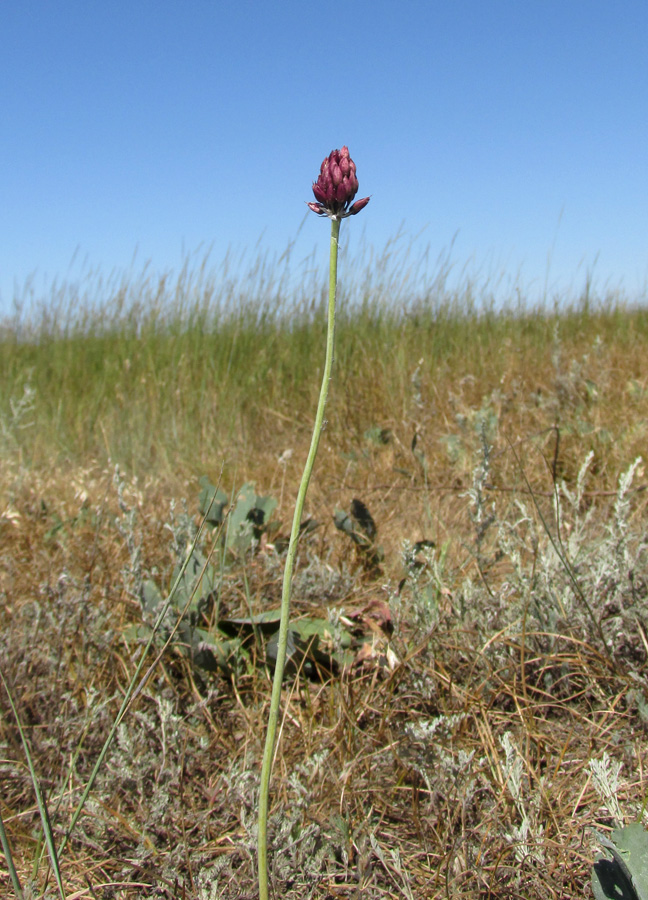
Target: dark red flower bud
{"type": "Point", "coordinates": [358, 205]}
{"type": "Point", "coordinates": [319, 193]}
{"type": "Point", "coordinates": [336, 187]}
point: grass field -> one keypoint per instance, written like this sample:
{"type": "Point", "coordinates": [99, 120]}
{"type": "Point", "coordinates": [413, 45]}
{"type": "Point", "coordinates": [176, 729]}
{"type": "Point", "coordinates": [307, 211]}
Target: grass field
{"type": "Point", "coordinates": [475, 698]}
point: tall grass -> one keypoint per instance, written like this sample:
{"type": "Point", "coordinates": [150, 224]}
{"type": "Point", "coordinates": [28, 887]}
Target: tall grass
{"type": "Point", "coordinates": [188, 370]}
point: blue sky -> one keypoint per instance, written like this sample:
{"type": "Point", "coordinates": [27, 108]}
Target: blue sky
{"type": "Point", "coordinates": [518, 129]}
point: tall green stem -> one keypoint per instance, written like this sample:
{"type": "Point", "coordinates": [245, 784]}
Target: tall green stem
{"type": "Point", "coordinates": [268, 753]}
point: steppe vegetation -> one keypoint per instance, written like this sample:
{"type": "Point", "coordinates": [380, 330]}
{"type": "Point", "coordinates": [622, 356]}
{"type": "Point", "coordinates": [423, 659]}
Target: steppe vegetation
{"type": "Point", "coordinates": [467, 698]}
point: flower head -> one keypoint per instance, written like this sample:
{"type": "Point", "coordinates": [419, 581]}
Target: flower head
{"type": "Point", "coordinates": [336, 187]}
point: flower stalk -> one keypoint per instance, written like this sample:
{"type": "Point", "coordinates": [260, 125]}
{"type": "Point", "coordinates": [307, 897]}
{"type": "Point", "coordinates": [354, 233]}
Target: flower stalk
{"type": "Point", "coordinates": [334, 190]}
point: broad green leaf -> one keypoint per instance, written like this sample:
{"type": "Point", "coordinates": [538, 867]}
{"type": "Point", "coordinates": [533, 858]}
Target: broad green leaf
{"type": "Point", "coordinates": [311, 641]}
{"type": "Point", "coordinates": [267, 505]}
{"type": "Point", "coordinates": [212, 502]}
{"type": "Point", "coordinates": [345, 523]}
{"type": "Point", "coordinates": [625, 876]}
{"type": "Point", "coordinates": [197, 586]}
{"type": "Point", "coordinates": [265, 622]}
{"type": "Point", "coordinates": [141, 632]}
{"type": "Point", "coordinates": [306, 629]}
{"type": "Point", "coordinates": [214, 652]}
{"type": "Point", "coordinates": [240, 524]}
{"type": "Point", "coordinates": [151, 596]}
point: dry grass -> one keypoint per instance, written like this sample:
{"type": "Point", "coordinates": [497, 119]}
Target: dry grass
{"type": "Point", "coordinates": [454, 761]}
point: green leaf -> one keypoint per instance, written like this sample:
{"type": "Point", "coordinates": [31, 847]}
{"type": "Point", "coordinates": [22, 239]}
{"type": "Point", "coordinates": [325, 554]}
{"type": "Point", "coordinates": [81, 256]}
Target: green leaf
{"type": "Point", "coordinates": [243, 519]}
{"type": "Point", "coordinates": [212, 502]}
{"type": "Point", "coordinates": [267, 505]}
{"type": "Point", "coordinates": [213, 652]}
{"type": "Point", "coordinates": [197, 585]}
{"type": "Point", "coordinates": [307, 629]}
{"type": "Point", "coordinates": [361, 528]}
{"type": "Point", "coordinates": [311, 644]}
{"type": "Point", "coordinates": [151, 596]}
{"type": "Point", "coordinates": [345, 523]}
{"type": "Point", "coordinates": [141, 632]}
{"type": "Point", "coordinates": [625, 876]}
{"type": "Point", "coordinates": [266, 622]}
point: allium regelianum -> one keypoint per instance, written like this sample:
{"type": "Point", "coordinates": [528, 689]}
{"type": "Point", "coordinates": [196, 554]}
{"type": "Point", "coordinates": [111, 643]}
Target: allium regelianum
{"type": "Point", "coordinates": [336, 187]}
{"type": "Point", "coordinates": [334, 191]}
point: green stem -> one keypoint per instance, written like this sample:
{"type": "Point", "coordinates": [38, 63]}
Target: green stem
{"type": "Point", "coordinates": [268, 753]}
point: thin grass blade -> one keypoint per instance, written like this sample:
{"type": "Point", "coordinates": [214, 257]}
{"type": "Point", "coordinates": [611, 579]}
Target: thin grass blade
{"type": "Point", "coordinates": [40, 796]}
{"type": "Point", "coordinates": [6, 849]}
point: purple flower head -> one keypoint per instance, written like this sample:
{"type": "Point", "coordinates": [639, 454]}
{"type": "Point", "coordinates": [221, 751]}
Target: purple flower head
{"type": "Point", "coordinates": [336, 187]}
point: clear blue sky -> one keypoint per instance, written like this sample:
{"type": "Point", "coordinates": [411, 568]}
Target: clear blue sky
{"type": "Point", "coordinates": [521, 127]}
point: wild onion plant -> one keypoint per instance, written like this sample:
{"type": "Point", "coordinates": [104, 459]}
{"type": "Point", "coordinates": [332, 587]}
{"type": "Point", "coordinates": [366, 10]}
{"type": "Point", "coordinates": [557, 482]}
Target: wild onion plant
{"type": "Point", "coordinates": [334, 191]}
